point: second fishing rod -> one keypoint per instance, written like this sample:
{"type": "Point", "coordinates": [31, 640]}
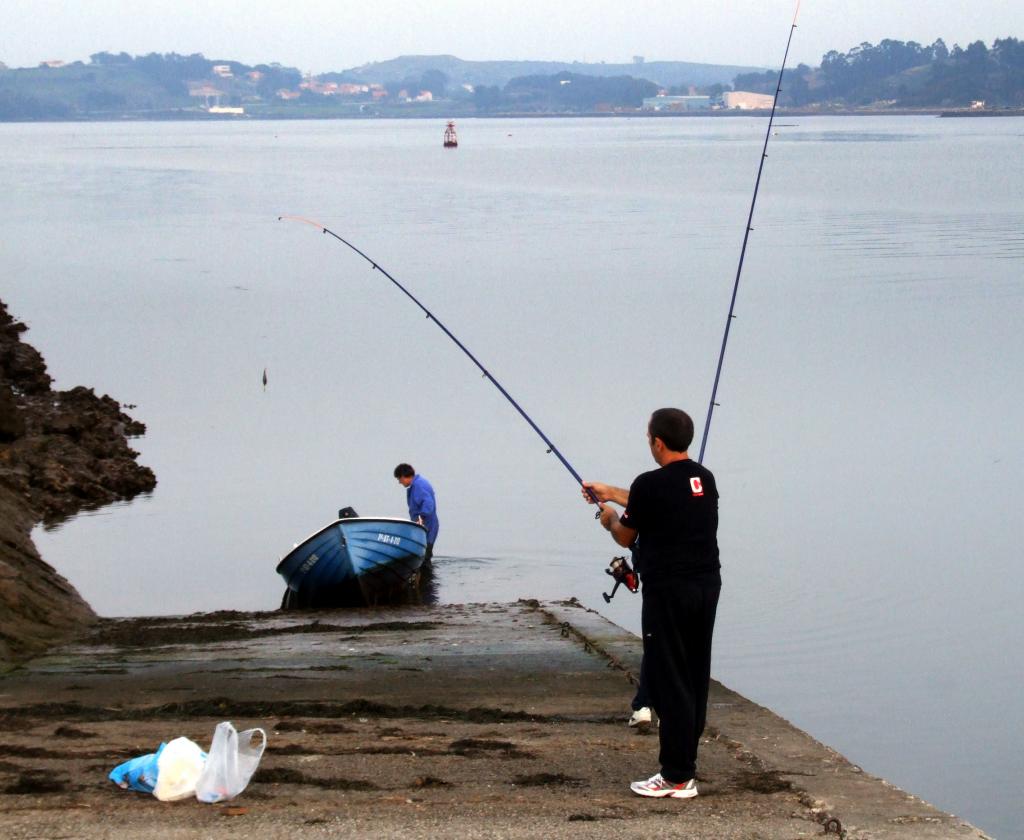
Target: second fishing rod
{"type": "Point", "coordinates": [746, 236]}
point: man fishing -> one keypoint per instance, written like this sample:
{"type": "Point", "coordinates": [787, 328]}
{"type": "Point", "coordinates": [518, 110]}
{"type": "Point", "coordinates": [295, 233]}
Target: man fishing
{"type": "Point", "coordinates": [674, 511]}
{"type": "Point", "coordinates": [419, 495]}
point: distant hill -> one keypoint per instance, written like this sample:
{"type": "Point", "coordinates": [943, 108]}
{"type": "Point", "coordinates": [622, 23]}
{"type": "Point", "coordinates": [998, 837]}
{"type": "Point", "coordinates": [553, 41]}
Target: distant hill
{"type": "Point", "coordinates": [892, 75]}
{"type": "Point", "coordinates": [114, 85]}
{"type": "Point", "coordinates": [499, 73]}
{"type": "Point", "coordinates": [161, 86]}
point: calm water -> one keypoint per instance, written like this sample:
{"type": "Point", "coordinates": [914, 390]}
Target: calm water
{"type": "Point", "coordinates": [867, 448]}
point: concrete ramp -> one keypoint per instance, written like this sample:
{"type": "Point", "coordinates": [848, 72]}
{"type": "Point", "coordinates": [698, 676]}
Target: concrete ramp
{"type": "Point", "coordinates": [482, 720]}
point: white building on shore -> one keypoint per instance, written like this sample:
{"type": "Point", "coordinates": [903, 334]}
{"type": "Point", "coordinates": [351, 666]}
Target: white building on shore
{"type": "Point", "coordinates": [677, 103]}
{"type": "Point", "coordinates": [746, 101]}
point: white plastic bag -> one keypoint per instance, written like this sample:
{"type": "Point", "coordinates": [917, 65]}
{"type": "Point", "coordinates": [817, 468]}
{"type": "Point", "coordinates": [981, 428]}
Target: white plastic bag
{"type": "Point", "coordinates": [179, 765]}
{"type": "Point", "coordinates": [234, 757]}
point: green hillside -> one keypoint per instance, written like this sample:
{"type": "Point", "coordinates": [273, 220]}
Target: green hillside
{"type": "Point", "coordinates": [891, 75]}
{"type": "Point", "coordinates": [500, 73]}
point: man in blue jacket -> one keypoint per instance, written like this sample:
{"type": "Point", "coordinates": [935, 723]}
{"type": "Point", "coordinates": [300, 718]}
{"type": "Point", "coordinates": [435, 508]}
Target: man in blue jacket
{"type": "Point", "coordinates": [422, 505]}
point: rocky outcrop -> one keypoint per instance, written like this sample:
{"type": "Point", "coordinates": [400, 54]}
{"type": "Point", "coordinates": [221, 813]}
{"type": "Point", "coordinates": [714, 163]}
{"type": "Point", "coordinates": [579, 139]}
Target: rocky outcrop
{"type": "Point", "coordinates": [60, 452]}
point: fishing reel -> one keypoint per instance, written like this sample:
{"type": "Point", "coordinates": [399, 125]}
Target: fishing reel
{"type": "Point", "coordinates": [622, 573]}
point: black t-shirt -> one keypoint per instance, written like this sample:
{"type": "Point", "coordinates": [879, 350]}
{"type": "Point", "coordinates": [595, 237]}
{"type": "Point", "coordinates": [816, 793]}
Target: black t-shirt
{"type": "Point", "coordinates": [674, 510]}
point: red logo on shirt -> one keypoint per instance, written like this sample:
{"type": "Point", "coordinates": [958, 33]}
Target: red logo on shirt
{"type": "Point", "coordinates": [696, 486]}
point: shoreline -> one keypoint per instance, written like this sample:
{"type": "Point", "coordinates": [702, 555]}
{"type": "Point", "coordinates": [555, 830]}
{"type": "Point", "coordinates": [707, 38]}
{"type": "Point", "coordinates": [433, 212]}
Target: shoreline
{"type": "Point", "coordinates": [456, 114]}
{"type": "Point", "coordinates": [485, 720]}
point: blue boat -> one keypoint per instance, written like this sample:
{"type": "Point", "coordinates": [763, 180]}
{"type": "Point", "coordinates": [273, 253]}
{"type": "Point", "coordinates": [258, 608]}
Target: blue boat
{"type": "Point", "coordinates": [355, 561]}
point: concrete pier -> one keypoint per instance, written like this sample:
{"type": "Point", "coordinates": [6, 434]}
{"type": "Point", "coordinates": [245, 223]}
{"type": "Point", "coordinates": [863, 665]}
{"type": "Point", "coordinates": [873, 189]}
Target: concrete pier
{"type": "Point", "coordinates": [469, 721]}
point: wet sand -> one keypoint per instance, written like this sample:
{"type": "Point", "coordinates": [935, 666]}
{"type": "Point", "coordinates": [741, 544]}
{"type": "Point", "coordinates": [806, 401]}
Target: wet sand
{"type": "Point", "coordinates": [485, 720]}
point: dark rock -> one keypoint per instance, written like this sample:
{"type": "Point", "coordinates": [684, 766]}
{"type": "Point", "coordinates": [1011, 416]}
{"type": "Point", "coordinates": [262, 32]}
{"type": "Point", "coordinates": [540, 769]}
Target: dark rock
{"type": "Point", "coordinates": [12, 424]}
{"type": "Point", "coordinates": [21, 364]}
{"type": "Point", "coordinates": [61, 452]}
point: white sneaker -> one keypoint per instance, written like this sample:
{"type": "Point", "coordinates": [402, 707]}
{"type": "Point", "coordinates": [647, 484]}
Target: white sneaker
{"type": "Point", "coordinates": [641, 715]}
{"type": "Point", "coordinates": [657, 786]}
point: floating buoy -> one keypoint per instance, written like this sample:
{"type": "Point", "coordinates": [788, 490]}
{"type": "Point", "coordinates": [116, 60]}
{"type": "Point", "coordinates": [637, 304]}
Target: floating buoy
{"type": "Point", "coordinates": [451, 141]}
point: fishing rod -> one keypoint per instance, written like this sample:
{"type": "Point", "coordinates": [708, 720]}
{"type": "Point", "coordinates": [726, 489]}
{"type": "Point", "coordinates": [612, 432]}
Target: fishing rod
{"type": "Point", "coordinates": [746, 236]}
{"type": "Point", "coordinates": [552, 449]}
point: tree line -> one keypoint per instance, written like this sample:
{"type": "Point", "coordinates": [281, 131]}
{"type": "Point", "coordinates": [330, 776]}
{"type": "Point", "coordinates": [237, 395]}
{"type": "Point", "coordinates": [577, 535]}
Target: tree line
{"type": "Point", "coordinates": [904, 74]}
{"type": "Point", "coordinates": [564, 92]}
{"type": "Point", "coordinates": [889, 74]}
{"type": "Point", "coordinates": [120, 83]}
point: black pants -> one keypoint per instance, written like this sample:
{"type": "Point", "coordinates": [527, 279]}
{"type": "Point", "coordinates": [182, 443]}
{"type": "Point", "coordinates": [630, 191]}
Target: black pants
{"type": "Point", "coordinates": [641, 698]}
{"type": "Point", "coordinates": [678, 621]}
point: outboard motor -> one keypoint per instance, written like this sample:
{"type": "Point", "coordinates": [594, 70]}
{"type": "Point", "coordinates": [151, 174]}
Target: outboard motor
{"type": "Point", "coordinates": [622, 573]}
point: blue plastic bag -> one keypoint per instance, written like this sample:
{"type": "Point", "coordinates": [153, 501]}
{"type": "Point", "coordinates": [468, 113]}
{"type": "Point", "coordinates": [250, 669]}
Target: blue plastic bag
{"type": "Point", "coordinates": [138, 773]}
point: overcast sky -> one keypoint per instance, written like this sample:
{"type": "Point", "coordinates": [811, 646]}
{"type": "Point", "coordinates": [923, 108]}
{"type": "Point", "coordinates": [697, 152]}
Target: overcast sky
{"type": "Point", "coordinates": [322, 35]}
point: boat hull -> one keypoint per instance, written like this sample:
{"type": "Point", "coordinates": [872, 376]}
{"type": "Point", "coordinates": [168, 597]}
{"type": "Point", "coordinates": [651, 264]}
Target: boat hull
{"type": "Point", "coordinates": [354, 562]}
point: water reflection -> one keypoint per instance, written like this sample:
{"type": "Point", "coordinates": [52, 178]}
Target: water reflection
{"type": "Point", "coordinates": [421, 589]}
{"type": "Point", "coordinates": [868, 450]}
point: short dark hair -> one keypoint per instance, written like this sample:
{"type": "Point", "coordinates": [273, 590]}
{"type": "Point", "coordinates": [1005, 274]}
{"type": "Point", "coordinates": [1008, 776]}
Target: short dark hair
{"type": "Point", "coordinates": [674, 426]}
{"type": "Point", "coordinates": [404, 471]}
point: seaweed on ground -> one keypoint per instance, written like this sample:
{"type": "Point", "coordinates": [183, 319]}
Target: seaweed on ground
{"type": "Point", "coordinates": [548, 780]}
{"type": "Point", "coordinates": [765, 781]}
{"type": "Point", "coordinates": [38, 781]}
{"type": "Point", "coordinates": [288, 776]}
{"type": "Point", "coordinates": [477, 747]}
{"type": "Point", "coordinates": [224, 627]}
